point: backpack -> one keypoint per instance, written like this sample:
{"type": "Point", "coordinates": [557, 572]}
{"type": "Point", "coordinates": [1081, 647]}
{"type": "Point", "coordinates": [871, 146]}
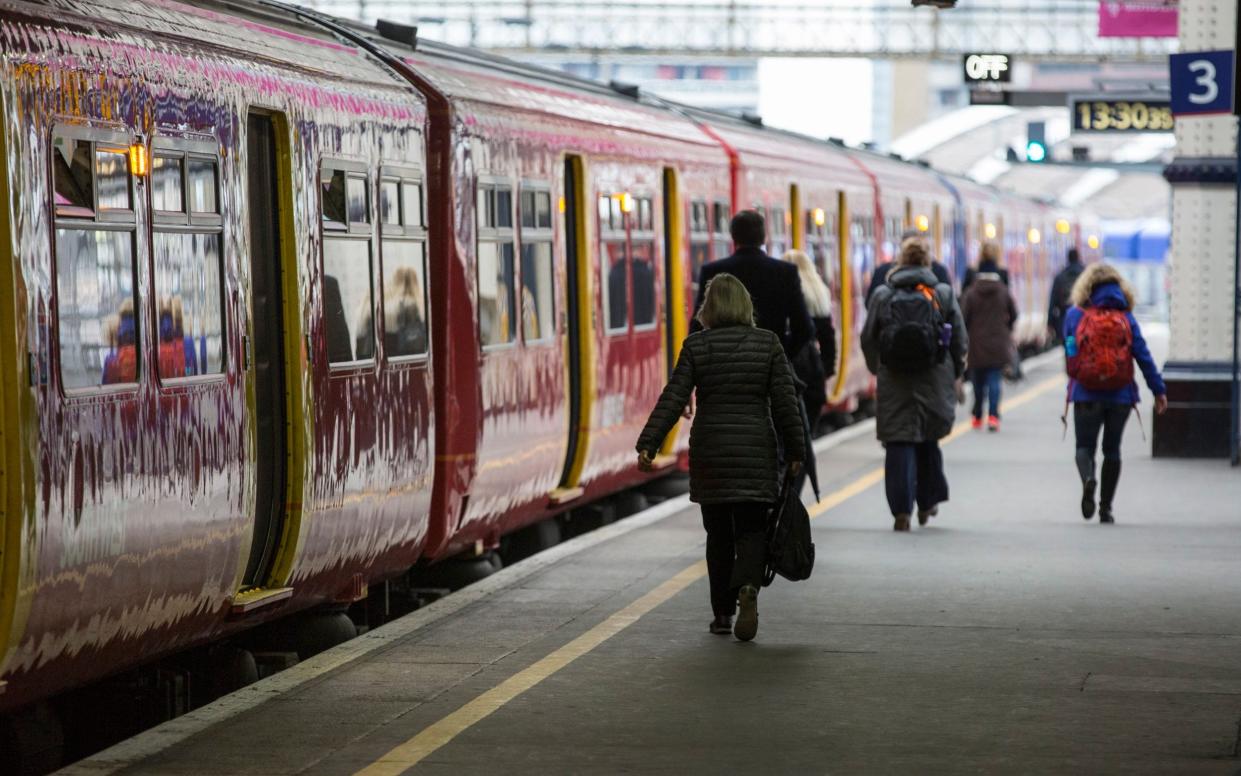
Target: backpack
{"type": "Point", "coordinates": [1104, 357]}
{"type": "Point", "coordinates": [911, 338]}
{"type": "Point", "coordinates": [790, 551]}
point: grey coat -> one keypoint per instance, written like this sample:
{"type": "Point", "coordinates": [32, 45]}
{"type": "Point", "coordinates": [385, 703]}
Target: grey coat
{"type": "Point", "coordinates": [743, 379]}
{"type": "Point", "coordinates": [915, 408]}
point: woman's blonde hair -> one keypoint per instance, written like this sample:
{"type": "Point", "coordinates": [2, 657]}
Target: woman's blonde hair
{"type": "Point", "coordinates": [727, 303]}
{"type": "Point", "coordinates": [818, 298]}
{"type": "Point", "coordinates": [914, 253]}
{"type": "Point", "coordinates": [1095, 275]}
{"type": "Point", "coordinates": [990, 251]}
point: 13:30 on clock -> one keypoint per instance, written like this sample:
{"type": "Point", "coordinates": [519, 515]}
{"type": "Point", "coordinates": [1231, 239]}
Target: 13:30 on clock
{"type": "Point", "coordinates": [1122, 116]}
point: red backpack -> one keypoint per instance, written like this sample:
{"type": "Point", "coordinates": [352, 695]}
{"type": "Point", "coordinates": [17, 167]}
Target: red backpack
{"type": "Point", "coordinates": [1104, 358]}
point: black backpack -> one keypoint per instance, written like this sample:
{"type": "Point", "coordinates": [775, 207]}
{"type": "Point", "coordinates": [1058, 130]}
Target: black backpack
{"type": "Point", "coordinates": [910, 340]}
{"type": "Point", "coordinates": [790, 552]}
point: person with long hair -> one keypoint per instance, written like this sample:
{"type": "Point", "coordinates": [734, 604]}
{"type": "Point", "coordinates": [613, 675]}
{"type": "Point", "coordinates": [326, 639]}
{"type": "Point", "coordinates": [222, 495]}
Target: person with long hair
{"type": "Point", "coordinates": [816, 361]}
{"type": "Point", "coordinates": [1102, 340]}
{"type": "Point", "coordinates": [745, 397]}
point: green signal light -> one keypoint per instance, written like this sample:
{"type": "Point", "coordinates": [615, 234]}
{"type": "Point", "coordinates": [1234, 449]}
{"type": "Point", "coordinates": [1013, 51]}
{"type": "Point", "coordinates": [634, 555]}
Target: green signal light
{"type": "Point", "coordinates": [1035, 152]}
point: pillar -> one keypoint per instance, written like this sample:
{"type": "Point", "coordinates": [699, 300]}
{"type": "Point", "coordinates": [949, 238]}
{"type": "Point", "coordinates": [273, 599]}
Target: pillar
{"type": "Point", "coordinates": [1204, 230]}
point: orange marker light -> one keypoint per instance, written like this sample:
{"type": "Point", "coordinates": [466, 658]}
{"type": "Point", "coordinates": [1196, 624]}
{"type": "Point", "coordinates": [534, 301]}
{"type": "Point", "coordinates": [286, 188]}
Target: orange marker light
{"type": "Point", "coordinates": [626, 200]}
{"type": "Point", "coordinates": [820, 218]}
{"type": "Point", "coordinates": [923, 223]}
{"type": "Point", "coordinates": [138, 160]}
{"type": "Point", "coordinates": [1093, 242]}
{"type": "Point", "coordinates": [1063, 226]}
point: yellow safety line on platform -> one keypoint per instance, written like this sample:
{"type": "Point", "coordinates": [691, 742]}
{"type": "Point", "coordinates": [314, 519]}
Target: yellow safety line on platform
{"type": "Point", "coordinates": [430, 739]}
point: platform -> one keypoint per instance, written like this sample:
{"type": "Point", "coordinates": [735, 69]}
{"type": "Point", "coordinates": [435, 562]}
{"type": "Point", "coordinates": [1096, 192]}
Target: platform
{"type": "Point", "coordinates": [1009, 636]}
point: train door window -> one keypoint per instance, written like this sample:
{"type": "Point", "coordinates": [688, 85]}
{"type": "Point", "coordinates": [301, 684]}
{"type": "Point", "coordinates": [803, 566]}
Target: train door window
{"type": "Point", "coordinates": [614, 254]}
{"type": "Point", "coordinates": [403, 254]}
{"type": "Point", "coordinates": [187, 242]}
{"type": "Point", "coordinates": [699, 240]}
{"type": "Point", "coordinates": [97, 319]}
{"type": "Point", "coordinates": [537, 314]}
{"type": "Point", "coordinates": [723, 241]}
{"type": "Point", "coordinates": [777, 232]}
{"type": "Point", "coordinates": [348, 282]}
{"type": "Point", "coordinates": [497, 271]}
{"type": "Point", "coordinates": [642, 260]}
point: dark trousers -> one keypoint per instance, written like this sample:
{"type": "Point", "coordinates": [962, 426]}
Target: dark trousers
{"type": "Point", "coordinates": [736, 550]}
{"type": "Point", "coordinates": [1089, 417]}
{"type": "Point", "coordinates": [914, 472]}
{"type": "Point", "coordinates": [987, 382]}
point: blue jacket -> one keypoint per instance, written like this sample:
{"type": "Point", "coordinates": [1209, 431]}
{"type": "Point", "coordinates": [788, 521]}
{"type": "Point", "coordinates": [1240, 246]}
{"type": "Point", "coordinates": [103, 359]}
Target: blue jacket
{"type": "Point", "coordinates": [1110, 296]}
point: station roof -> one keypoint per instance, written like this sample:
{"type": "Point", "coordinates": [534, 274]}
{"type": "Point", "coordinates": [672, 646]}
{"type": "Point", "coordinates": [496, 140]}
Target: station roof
{"type": "Point", "coordinates": [974, 142]}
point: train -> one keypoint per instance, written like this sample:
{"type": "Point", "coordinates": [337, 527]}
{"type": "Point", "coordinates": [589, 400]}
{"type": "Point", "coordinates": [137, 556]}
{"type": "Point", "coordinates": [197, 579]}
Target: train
{"type": "Point", "coordinates": [291, 304]}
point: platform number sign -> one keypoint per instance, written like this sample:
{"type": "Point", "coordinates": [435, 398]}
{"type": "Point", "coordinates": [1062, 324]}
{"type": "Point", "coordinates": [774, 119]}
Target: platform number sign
{"type": "Point", "coordinates": [1202, 82]}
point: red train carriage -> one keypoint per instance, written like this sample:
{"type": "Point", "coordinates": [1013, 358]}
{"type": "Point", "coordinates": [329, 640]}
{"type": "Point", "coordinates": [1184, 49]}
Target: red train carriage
{"type": "Point", "coordinates": [205, 409]}
{"type": "Point", "coordinates": [288, 306]}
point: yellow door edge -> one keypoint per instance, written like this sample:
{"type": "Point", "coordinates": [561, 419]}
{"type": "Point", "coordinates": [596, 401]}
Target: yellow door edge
{"type": "Point", "coordinates": [846, 298]}
{"type": "Point", "coordinates": [586, 332]}
{"type": "Point", "coordinates": [677, 318]}
{"type": "Point", "coordinates": [297, 369]}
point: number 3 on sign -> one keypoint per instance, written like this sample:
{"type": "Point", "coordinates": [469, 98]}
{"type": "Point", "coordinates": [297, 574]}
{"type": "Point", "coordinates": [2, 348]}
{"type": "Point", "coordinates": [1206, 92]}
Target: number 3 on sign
{"type": "Point", "coordinates": [1205, 71]}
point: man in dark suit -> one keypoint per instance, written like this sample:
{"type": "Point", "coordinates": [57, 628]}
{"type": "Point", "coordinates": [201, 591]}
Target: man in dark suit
{"type": "Point", "coordinates": [773, 285]}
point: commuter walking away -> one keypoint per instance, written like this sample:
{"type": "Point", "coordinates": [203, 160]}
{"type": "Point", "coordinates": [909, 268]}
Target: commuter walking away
{"type": "Point", "coordinates": [990, 312]}
{"type": "Point", "coordinates": [879, 277]}
{"type": "Point", "coordinates": [1061, 294]}
{"type": "Point", "coordinates": [988, 261]}
{"type": "Point", "coordinates": [776, 293]}
{"type": "Point", "coordinates": [1102, 339]}
{"type": "Point", "coordinates": [816, 361]}
{"type": "Point", "coordinates": [773, 285]}
{"type": "Point", "coordinates": [914, 341]}
{"type": "Point", "coordinates": [744, 383]}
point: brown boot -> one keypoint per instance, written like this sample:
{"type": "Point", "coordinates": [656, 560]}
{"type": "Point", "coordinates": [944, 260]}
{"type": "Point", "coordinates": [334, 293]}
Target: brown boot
{"type": "Point", "coordinates": [901, 523]}
{"type": "Point", "coordinates": [925, 515]}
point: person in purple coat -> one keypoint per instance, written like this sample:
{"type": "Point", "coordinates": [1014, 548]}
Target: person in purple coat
{"type": "Point", "coordinates": [1100, 286]}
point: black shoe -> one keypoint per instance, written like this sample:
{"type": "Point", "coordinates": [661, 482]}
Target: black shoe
{"type": "Point", "coordinates": [925, 515]}
{"type": "Point", "coordinates": [747, 618]}
{"type": "Point", "coordinates": [721, 626]}
{"type": "Point", "coordinates": [1088, 499]}
{"type": "Point", "coordinates": [1105, 516]}
{"type": "Point", "coordinates": [900, 522]}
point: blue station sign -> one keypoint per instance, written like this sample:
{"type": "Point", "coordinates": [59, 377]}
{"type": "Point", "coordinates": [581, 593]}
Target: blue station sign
{"type": "Point", "coordinates": [1202, 82]}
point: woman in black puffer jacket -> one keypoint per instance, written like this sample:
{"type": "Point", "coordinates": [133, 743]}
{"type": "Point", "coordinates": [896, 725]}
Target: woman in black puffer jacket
{"type": "Point", "coordinates": [743, 379]}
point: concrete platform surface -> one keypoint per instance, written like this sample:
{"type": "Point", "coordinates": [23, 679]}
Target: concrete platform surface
{"type": "Point", "coordinates": [1008, 636]}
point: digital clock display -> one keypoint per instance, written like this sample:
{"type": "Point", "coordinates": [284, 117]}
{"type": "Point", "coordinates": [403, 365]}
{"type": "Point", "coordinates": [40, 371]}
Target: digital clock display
{"type": "Point", "coordinates": [1116, 115]}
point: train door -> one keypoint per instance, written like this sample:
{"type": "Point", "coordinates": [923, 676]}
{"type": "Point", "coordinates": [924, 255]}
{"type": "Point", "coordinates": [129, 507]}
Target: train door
{"type": "Point", "coordinates": [579, 331]}
{"type": "Point", "coordinates": [267, 342]}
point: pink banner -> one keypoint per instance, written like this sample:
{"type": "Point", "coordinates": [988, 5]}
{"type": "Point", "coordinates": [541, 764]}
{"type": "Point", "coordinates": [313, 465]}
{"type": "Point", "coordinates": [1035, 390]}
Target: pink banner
{"type": "Point", "coordinates": [1137, 18]}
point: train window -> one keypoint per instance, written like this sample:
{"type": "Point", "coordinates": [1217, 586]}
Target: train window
{"type": "Point", "coordinates": [112, 179]}
{"type": "Point", "coordinates": [356, 200]}
{"type": "Point", "coordinates": [188, 258]}
{"type": "Point", "coordinates": [699, 240]}
{"type": "Point", "coordinates": [73, 177]}
{"type": "Point", "coordinates": [605, 211]}
{"type": "Point", "coordinates": [404, 253]}
{"type": "Point", "coordinates": [190, 295]}
{"type": "Point", "coordinates": [405, 299]}
{"type": "Point", "coordinates": [497, 271]}
{"type": "Point", "coordinates": [536, 291]}
{"type": "Point", "coordinates": [97, 315]}
{"type": "Point", "coordinates": [411, 204]}
{"type": "Point", "coordinates": [96, 307]}
{"type": "Point", "coordinates": [642, 275]}
{"type": "Point", "coordinates": [616, 288]}
{"type": "Point", "coordinates": [167, 184]}
{"type": "Point", "coordinates": [723, 243]}
{"type": "Point", "coordinates": [390, 202]}
{"type": "Point", "coordinates": [537, 314]}
{"type": "Point", "coordinates": [333, 185]}
{"type": "Point", "coordinates": [348, 273]}
{"type": "Point", "coordinates": [645, 218]}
